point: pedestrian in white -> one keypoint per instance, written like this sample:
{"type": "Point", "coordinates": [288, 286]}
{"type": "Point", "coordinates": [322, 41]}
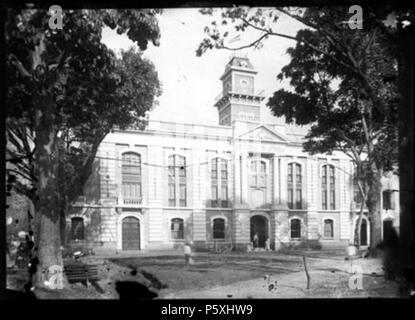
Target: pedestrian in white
{"type": "Point", "coordinates": [188, 253]}
{"type": "Point", "coordinates": [267, 245]}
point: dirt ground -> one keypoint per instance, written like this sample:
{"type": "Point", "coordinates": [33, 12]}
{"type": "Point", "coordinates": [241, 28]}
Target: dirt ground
{"type": "Point", "coordinates": [230, 275]}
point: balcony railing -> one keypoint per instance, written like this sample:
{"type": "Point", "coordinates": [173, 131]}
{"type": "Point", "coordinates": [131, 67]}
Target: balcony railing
{"type": "Point", "coordinates": [242, 91]}
{"type": "Point", "coordinates": [131, 201]}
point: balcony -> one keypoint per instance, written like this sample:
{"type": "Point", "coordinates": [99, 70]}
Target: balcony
{"type": "Point", "coordinates": [131, 202]}
{"type": "Point", "coordinates": [241, 91]}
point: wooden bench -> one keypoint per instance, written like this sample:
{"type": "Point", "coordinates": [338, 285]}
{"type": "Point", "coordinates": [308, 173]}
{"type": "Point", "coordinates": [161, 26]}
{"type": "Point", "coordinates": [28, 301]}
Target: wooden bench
{"type": "Point", "coordinates": [83, 273]}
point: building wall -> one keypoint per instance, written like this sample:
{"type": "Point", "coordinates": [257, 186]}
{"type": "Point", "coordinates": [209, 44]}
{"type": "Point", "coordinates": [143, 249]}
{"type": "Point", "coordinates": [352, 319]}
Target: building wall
{"type": "Point", "coordinates": [103, 219]}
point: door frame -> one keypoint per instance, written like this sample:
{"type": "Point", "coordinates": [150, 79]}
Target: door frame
{"type": "Point", "coordinates": [120, 218]}
{"type": "Point", "coordinates": [267, 226]}
{"type": "Point", "coordinates": [367, 229]}
{"type": "Point", "coordinates": [389, 220]}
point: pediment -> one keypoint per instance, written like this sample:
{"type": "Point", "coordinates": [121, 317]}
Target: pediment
{"type": "Point", "coordinates": [263, 133]}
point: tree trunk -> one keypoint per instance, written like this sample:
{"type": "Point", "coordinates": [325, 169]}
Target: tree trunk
{"type": "Point", "coordinates": [49, 243]}
{"type": "Point", "coordinates": [46, 167]}
{"type": "Point", "coordinates": [359, 225]}
{"type": "Point", "coordinates": [373, 206]}
{"type": "Point", "coordinates": [62, 212]}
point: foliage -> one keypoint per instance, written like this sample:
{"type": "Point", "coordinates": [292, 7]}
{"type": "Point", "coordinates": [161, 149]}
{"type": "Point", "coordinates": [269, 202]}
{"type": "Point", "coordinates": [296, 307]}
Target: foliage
{"type": "Point", "coordinates": [66, 92]}
{"type": "Point", "coordinates": [344, 81]}
{"type": "Point", "coordinates": [94, 91]}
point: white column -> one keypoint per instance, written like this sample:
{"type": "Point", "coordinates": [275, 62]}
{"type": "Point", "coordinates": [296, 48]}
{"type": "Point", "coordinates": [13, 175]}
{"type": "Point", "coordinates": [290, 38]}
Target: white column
{"type": "Point", "coordinates": [312, 196]}
{"type": "Point", "coordinates": [279, 219]}
{"type": "Point", "coordinates": [198, 195]}
{"type": "Point", "coordinates": [154, 192]}
{"type": "Point", "coordinates": [237, 179]}
{"type": "Point", "coordinates": [283, 180]}
{"type": "Point", "coordinates": [346, 191]}
{"type": "Point", "coordinates": [244, 177]}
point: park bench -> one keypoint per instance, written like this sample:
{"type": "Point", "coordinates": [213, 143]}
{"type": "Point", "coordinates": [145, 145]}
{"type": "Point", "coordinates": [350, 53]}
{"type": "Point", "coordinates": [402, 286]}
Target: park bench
{"type": "Point", "coordinates": [83, 273]}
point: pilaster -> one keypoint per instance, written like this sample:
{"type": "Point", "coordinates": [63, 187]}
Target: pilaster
{"type": "Point", "coordinates": [276, 199]}
{"type": "Point", "coordinates": [241, 227]}
{"type": "Point", "coordinates": [312, 196]}
{"type": "Point", "coordinates": [279, 226]}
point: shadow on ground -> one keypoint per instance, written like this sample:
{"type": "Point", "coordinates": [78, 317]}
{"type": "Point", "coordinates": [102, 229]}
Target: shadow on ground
{"type": "Point", "coordinates": [130, 290]}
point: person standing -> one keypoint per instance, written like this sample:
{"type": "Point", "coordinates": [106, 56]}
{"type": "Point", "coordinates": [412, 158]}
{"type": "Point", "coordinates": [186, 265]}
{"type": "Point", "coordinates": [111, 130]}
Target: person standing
{"type": "Point", "coordinates": [256, 240]}
{"type": "Point", "coordinates": [267, 245]}
{"type": "Point", "coordinates": [188, 253]}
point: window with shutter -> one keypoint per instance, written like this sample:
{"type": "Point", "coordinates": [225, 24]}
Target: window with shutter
{"type": "Point", "coordinates": [328, 231]}
{"type": "Point", "coordinates": [258, 182]}
{"type": "Point", "coordinates": [219, 228]}
{"type": "Point", "coordinates": [177, 181]}
{"type": "Point", "coordinates": [295, 228]}
{"type": "Point", "coordinates": [131, 177]}
{"type": "Point", "coordinates": [77, 228]}
{"type": "Point", "coordinates": [328, 187]}
{"type": "Point", "coordinates": [294, 186]}
{"type": "Point", "coordinates": [219, 182]}
{"type": "Point", "coordinates": [177, 229]}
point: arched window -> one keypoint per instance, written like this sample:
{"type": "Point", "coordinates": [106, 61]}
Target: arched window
{"type": "Point", "coordinates": [328, 187]}
{"type": "Point", "coordinates": [219, 182]}
{"type": "Point", "coordinates": [77, 228]}
{"type": "Point", "coordinates": [177, 181]}
{"type": "Point", "coordinates": [295, 189]}
{"type": "Point", "coordinates": [177, 229]}
{"type": "Point", "coordinates": [295, 227]}
{"type": "Point", "coordinates": [131, 177]}
{"type": "Point", "coordinates": [328, 231]}
{"type": "Point", "coordinates": [218, 228]}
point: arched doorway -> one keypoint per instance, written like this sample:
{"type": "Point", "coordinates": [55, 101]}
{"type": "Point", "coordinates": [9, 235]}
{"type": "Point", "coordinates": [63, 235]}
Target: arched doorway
{"type": "Point", "coordinates": [364, 231]}
{"type": "Point", "coordinates": [259, 225]}
{"type": "Point", "coordinates": [130, 233]}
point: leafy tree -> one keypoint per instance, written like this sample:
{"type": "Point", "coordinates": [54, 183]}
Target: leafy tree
{"type": "Point", "coordinates": [66, 92]}
{"type": "Point", "coordinates": [358, 115]}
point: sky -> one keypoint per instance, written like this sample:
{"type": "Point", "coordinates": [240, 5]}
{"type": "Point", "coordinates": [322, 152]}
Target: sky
{"type": "Point", "coordinates": [190, 83]}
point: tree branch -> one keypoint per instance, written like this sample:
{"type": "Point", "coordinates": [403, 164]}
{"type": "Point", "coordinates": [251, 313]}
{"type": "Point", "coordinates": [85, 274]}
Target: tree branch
{"type": "Point", "coordinates": [87, 165]}
{"type": "Point", "coordinates": [328, 36]}
{"type": "Point", "coordinates": [350, 141]}
{"type": "Point", "coordinates": [246, 46]}
{"type": "Point", "coordinates": [19, 65]}
{"type": "Point", "coordinates": [24, 190]}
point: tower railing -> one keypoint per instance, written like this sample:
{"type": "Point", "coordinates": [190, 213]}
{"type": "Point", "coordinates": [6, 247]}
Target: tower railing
{"type": "Point", "coordinates": [242, 91]}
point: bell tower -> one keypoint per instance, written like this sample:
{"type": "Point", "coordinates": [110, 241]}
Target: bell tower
{"type": "Point", "coordinates": [240, 99]}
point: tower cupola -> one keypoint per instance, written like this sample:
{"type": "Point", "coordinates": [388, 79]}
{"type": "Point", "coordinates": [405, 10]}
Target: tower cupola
{"type": "Point", "coordinates": [239, 99]}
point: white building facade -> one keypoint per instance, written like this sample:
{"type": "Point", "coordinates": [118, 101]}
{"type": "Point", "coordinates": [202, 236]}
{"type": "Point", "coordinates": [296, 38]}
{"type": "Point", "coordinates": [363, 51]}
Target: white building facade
{"type": "Point", "coordinates": [219, 185]}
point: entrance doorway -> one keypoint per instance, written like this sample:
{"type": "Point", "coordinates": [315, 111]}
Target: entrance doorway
{"type": "Point", "coordinates": [389, 233]}
{"type": "Point", "coordinates": [130, 233]}
{"type": "Point", "coordinates": [363, 233]}
{"type": "Point", "coordinates": [259, 226]}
